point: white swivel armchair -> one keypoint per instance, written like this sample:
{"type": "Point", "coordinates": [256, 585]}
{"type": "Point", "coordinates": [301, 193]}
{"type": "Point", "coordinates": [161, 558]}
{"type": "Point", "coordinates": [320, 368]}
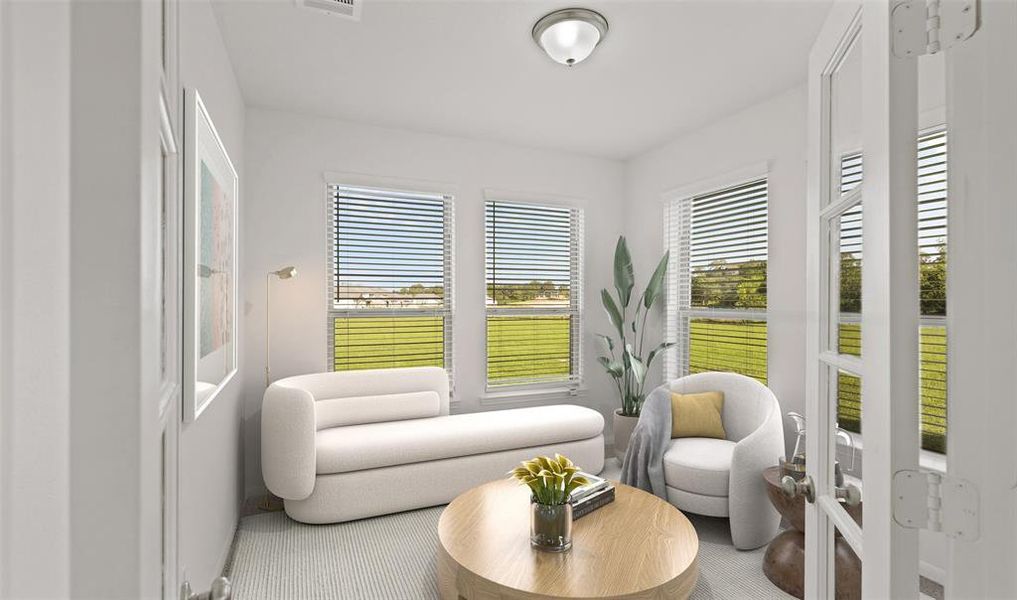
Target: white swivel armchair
{"type": "Point", "coordinates": [724, 478]}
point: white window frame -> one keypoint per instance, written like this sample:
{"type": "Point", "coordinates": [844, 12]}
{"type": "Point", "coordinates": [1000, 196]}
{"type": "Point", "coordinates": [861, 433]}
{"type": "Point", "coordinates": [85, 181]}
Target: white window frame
{"type": "Point", "coordinates": [678, 311]}
{"type": "Point", "coordinates": [572, 386]}
{"type": "Point", "coordinates": [447, 310]}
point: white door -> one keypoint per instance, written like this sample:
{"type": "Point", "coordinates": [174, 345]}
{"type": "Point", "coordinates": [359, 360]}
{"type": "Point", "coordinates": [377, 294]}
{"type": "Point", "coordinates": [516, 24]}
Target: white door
{"type": "Point", "coordinates": [863, 318]}
{"type": "Point", "coordinates": [883, 75]}
{"type": "Point", "coordinates": [168, 264]}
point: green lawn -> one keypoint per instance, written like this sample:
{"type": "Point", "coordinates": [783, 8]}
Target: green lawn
{"type": "Point", "coordinates": [517, 347]}
{"type": "Point", "coordinates": [388, 342]}
{"type": "Point", "coordinates": [736, 346]}
{"type": "Point", "coordinates": [527, 347]}
{"type": "Point", "coordinates": [728, 345]}
{"type": "Point", "coordinates": [530, 346]}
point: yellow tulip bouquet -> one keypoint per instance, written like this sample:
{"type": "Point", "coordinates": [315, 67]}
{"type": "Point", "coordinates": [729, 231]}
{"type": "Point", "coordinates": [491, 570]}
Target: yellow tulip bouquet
{"type": "Point", "coordinates": [551, 480]}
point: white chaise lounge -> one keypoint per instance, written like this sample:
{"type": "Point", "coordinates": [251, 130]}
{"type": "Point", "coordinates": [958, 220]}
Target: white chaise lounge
{"type": "Point", "coordinates": [343, 446]}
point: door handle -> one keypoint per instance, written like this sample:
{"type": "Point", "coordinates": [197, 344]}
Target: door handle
{"type": "Point", "coordinates": [849, 495]}
{"type": "Point", "coordinates": [221, 590]}
{"type": "Point", "coordinates": [803, 487]}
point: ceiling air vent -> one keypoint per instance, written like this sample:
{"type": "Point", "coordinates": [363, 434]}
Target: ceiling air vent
{"type": "Point", "coordinates": [349, 9]}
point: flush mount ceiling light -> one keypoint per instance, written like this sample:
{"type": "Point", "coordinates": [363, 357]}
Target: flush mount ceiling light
{"type": "Point", "coordinates": [570, 35]}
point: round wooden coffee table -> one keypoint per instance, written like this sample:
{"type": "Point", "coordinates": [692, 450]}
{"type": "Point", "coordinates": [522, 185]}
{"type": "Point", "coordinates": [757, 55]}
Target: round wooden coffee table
{"type": "Point", "coordinates": [637, 547]}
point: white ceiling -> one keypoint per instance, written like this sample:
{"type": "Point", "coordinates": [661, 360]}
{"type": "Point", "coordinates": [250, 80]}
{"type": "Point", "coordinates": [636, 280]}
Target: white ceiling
{"type": "Point", "coordinates": [470, 68]}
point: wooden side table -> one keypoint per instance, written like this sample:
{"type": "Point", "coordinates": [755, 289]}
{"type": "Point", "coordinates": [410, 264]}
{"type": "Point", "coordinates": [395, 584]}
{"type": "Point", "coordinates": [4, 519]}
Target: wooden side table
{"type": "Point", "coordinates": [784, 560]}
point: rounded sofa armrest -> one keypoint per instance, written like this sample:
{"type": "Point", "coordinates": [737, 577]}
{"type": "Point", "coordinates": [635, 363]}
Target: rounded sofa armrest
{"type": "Point", "coordinates": [288, 459]}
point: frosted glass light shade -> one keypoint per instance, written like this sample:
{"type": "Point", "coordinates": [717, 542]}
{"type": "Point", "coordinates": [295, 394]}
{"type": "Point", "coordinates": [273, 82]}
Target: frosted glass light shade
{"type": "Point", "coordinates": [569, 36]}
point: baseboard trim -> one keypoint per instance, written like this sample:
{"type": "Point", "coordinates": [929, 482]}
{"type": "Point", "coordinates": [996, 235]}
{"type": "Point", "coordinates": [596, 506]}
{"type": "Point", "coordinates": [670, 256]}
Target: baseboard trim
{"type": "Point", "coordinates": [226, 559]}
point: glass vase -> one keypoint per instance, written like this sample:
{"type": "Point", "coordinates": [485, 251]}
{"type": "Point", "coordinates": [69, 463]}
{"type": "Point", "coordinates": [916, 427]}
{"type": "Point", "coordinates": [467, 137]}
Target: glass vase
{"type": "Point", "coordinates": [551, 526]}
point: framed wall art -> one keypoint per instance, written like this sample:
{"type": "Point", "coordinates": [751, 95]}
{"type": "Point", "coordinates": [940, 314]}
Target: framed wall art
{"type": "Point", "coordinates": [210, 261]}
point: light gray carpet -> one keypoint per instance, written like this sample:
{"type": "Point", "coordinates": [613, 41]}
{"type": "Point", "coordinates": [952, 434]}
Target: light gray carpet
{"type": "Point", "coordinates": [392, 558]}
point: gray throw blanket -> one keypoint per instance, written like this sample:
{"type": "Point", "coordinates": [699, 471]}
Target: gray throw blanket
{"type": "Point", "coordinates": [643, 466]}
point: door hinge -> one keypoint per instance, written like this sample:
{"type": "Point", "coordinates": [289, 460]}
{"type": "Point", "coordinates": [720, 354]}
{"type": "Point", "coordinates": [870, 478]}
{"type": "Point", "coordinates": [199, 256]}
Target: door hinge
{"type": "Point", "coordinates": [925, 500]}
{"type": "Point", "coordinates": [929, 26]}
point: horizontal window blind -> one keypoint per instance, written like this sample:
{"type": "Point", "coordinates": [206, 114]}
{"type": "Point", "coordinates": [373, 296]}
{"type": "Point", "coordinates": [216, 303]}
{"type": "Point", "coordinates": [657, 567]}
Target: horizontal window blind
{"type": "Point", "coordinates": [717, 290]}
{"type": "Point", "coordinates": [728, 247]}
{"type": "Point", "coordinates": [932, 243]}
{"type": "Point", "coordinates": [391, 280]}
{"type": "Point", "coordinates": [533, 266]}
{"type": "Point", "coordinates": [386, 342]}
{"type": "Point", "coordinates": [731, 344]}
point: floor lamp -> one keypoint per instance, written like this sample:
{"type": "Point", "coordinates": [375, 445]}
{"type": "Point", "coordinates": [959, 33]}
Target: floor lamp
{"type": "Point", "coordinates": [283, 273]}
{"type": "Point", "coordinates": [268, 503]}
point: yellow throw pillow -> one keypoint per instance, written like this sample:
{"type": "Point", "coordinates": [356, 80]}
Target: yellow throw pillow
{"type": "Point", "coordinates": [697, 415]}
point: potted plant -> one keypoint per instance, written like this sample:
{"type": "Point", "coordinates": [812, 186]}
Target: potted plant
{"type": "Point", "coordinates": [552, 481]}
{"type": "Point", "coordinates": [628, 367]}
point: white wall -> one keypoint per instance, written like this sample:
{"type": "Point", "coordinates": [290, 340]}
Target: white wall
{"type": "Point", "coordinates": [285, 221]}
{"type": "Point", "coordinates": [772, 132]}
{"type": "Point", "coordinates": [211, 448]}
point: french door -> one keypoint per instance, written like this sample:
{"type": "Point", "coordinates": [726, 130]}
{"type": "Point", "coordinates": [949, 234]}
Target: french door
{"type": "Point", "coordinates": [863, 305]}
{"type": "Point", "coordinates": [882, 75]}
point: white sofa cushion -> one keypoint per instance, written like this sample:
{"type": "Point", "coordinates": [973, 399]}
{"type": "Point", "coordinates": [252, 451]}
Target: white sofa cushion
{"type": "Point", "coordinates": [699, 465]}
{"type": "Point", "coordinates": [360, 494]}
{"type": "Point", "coordinates": [337, 412]}
{"type": "Point", "coordinates": [358, 447]}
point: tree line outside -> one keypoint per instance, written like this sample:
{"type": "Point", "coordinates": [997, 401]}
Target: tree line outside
{"type": "Point", "coordinates": [502, 293]}
{"type": "Point", "coordinates": [743, 285]}
{"type": "Point", "coordinates": [740, 345]}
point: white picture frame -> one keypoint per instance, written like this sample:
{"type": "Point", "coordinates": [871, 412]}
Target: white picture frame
{"type": "Point", "coordinates": [210, 261]}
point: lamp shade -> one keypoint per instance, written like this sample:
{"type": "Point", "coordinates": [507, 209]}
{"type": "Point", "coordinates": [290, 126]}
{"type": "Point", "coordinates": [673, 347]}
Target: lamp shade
{"type": "Point", "coordinates": [285, 272]}
{"type": "Point", "coordinates": [569, 36]}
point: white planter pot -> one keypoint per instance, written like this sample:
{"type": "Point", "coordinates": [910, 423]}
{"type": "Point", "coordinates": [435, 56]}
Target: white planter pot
{"type": "Point", "coordinates": [623, 427]}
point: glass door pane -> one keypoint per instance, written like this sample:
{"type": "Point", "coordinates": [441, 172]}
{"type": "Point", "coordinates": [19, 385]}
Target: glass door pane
{"type": "Point", "coordinates": [845, 126]}
{"type": "Point", "coordinates": [843, 222]}
{"type": "Point", "coordinates": [846, 282]}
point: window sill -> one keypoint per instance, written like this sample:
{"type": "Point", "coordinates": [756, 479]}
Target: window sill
{"type": "Point", "coordinates": [932, 461]}
{"type": "Point", "coordinates": [530, 394]}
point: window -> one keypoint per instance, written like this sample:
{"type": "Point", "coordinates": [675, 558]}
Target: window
{"type": "Point", "coordinates": [716, 297]}
{"type": "Point", "coordinates": [534, 293]}
{"type": "Point", "coordinates": [391, 282]}
{"type": "Point", "coordinates": [932, 238]}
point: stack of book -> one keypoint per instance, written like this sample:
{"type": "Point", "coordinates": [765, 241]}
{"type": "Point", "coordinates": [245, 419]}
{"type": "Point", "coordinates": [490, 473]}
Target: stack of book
{"type": "Point", "coordinates": [591, 496]}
